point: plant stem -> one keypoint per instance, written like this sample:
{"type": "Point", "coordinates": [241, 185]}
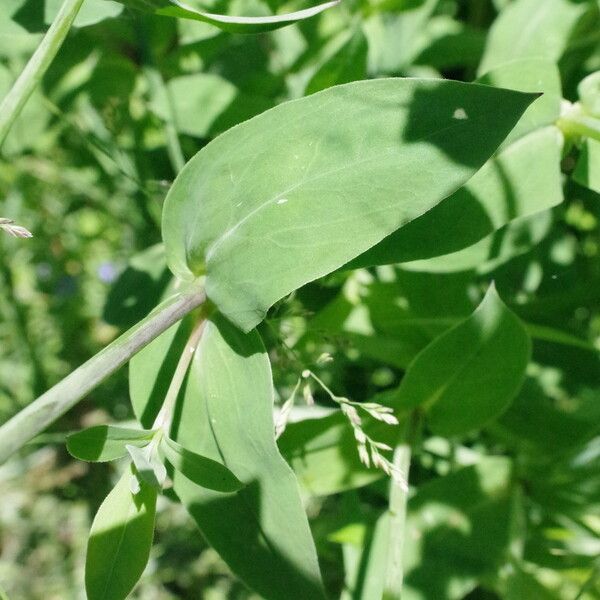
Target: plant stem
{"type": "Point", "coordinates": [574, 121]}
{"type": "Point", "coordinates": [64, 395]}
{"type": "Point", "coordinates": [165, 415]}
{"type": "Point", "coordinates": [397, 511]}
{"type": "Point", "coordinates": [159, 89]}
{"type": "Point", "coordinates": [37, 66]}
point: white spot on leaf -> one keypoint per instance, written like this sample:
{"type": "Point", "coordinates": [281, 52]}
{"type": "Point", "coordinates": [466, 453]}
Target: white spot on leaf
{"type": "Point", "coordinates": [460, 114]}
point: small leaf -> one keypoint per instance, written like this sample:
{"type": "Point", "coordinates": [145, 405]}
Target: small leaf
{"type": "Point", "coordinates": [303, 188]}
{"type": "Point", "coordinates": [233, 24]}
{"type": "Point", "coordinates": [105, 442]}
{"type": "Point", "coordinates": [203, 471]}
{"type": "Point", "coordinates": [120, 541]}
{"type": "Point", "coordinates": [471, 373]}
{"type": "Point", "coordinates": [148, 467]}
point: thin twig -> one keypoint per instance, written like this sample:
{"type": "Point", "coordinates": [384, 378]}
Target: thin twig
{"type": "Point", "coordinates": [58, 400]}
{"type": "Point", "coordinates": [165, 416]}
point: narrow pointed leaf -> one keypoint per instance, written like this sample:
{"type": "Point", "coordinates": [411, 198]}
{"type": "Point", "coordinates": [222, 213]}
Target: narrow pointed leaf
{"type": "Point", "coordinates": [300, 190]}
{"type": "Point", "coordinates": [120, 541]}
{"type": "Point", "coordinates": [226, 415]}
{"type": "Point", "coordinates": [201, 470]}
{"type": "Point", "coordinates": [231, 23]}
{"type": "Point", "coordinates": [471, 373]}
{"type": "Point", "coordinates": [105, 442]}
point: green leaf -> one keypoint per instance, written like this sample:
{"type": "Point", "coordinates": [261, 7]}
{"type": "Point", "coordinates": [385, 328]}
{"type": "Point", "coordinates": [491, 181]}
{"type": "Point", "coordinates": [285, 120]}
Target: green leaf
{"type": "Point", "coordinates": [203, 471]}
{"type": "Point", "coordinates": [225, 414]}
{"type": "Point", "coordinates": [394, 37]}
{"type": "Point", "coordinates": [233, 24]}
{"type": "Point", "coordinates": [459, 527]}
{"type": "Point", "coordinates": [535, 424]}
{"type": "Point", "coordinates": [532, 29]}
{"type": "Point", "coordinates": [458, 531]}
{"type": "Point", "coordinates": [514, 239]}
{"type": "Point", "coordinates": [348, 63]}
{"type": "Point", "coordinates": [450, 44]}
{"type": "Point", "coordinates": [91, 12]}
{"type": "Point", "coordinates": [530, 75]}
{"type": "Point", "coordinates": [589, 93]}
{"type": "Point", "coordinates": [120, 541]}
{"type": "Point", "coordinates": [138, 288]}
{"type": "Point", "coordinates": [471, 373]}
{"type": "Point", "coordinates": [587, 170]}
{"type": "Point", "coordinates": [105, 442]}
{"type": "Point", "coordinates": [323, 454]}
{"type": "Point", "coordinates": [223, 105]}
{"type": "Point", "coordinates": [300, 190]}
{"type": "Point", "coordinates": [521, 180]}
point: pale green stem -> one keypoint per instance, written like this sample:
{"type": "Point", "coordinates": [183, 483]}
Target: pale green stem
{"type": "Point", "coordinates": [37, 66]}
{"type": "Point", "coordinates": [34, 419]}
{"type": "Point", "coordinates": [159, 87]}
{"type": "Point", "coordinates": [574, 121]}
{"type": "Point", "coordinates": [165, 416]}
{"type": "Point", "coordinates": [160, 90]}
{"type": "Point", "coordinates": [398, 502]}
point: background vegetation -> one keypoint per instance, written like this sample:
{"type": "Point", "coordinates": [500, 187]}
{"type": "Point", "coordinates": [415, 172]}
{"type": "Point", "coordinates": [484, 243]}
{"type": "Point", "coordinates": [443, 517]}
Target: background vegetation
{"type": "Point", "coordinates": [511, 510]}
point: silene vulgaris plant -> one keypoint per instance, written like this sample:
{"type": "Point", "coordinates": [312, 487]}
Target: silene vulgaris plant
{"type": "Point", "coordinates": [379, 219]}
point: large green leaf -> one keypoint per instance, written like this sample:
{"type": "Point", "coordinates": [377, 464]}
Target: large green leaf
{"type": "Point", "coordinates": [530, 75]}
{"type": "Point", "coordinates": [226, 414]}
{"type": "Point", "coordinates": [105, 442]}
{"type": "Point", "coordinates": [233, 24]}
{"type": "Point", "coordinates": [298, 191]}
{"type": "Point", "coordinates": [532, 29]}
{"type": "Point", "coordinates": [120, 540]}
{"type": "Point", "coordinates": [521, 180]}
{"type": "Point", "coordinates": [470, 374]}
